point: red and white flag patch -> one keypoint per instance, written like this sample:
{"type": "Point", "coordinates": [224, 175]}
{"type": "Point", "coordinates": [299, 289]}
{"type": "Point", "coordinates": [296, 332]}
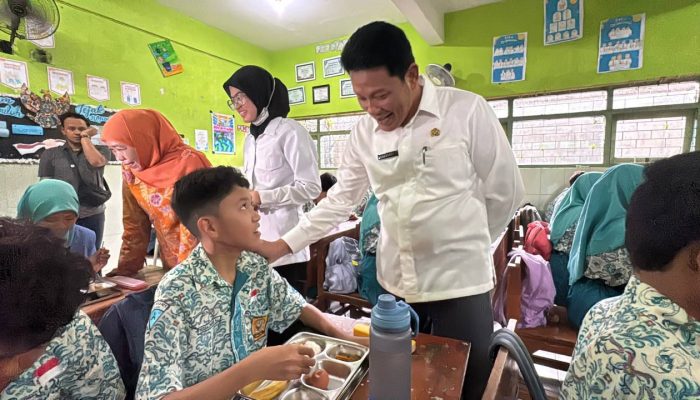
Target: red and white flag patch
{"type": "Point", "coordinates": [49, 370]}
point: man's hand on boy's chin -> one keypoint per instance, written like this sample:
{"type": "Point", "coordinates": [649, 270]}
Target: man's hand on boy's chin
{"type": "Point", "coordinates": [272, 250]}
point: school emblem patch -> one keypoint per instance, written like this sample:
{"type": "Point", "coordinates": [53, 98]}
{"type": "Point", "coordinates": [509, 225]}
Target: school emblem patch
{"type": "Point", "coordinates": [259, 327]}
{"type": "Point", "coordinates": [158, 309]}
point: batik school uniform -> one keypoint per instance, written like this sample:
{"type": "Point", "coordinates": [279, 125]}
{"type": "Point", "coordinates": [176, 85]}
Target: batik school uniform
{"type": "Point", "coordinates": [77, 364]}
{"type": "Point", "coordinates": [640, 345]}
{"type": "Point", "coordinates": [201, 325]}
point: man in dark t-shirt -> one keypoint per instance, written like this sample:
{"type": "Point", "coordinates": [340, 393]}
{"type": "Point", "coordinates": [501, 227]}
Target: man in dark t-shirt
{"type": "Point", "coordinates": [86, 164]}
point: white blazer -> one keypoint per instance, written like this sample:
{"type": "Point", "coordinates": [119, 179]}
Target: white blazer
{"type": "Point", "coordinates": [282, 166]}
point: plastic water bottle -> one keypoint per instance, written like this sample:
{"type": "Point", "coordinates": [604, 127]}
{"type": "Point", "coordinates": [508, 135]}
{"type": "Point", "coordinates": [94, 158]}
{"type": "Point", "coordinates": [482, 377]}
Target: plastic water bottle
{"type": "Point", "coordinates": [390, 349]}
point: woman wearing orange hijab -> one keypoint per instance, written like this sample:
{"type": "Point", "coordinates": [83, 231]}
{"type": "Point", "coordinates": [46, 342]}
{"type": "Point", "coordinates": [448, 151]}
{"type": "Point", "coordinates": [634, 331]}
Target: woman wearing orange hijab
{"type": "Point", "coordinates": [153, 158]}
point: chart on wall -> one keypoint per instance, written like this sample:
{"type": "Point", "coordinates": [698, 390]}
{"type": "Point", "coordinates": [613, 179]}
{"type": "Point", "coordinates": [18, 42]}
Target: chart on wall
{"type": "Point", "coordinates": [166, 58]}
{"type": "Point", "coordinates": [13, 73]}
{"type": "Point", "coordinates": [509, 58]}
{"type": "Point", "coordinates": [60, 80]}
{"type": "Point", "coordinates": [98, 88]}
{"type": "Point", "coordinates": [223, 133]}
{"type": "Point", "coordinates": [563, 21]}
{"type": "Point", "coordinates": [131, 93]}
{"type": "Point", "coordinates": [201, 139]}
{"type": "Point", "coordinates": [621, 43]}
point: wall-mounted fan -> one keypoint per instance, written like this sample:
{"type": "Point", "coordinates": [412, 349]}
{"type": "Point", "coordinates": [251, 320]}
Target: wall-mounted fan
{"type": "Point", "coordinates": [27, 19]}
{"type": "Point", "coordinates": [440, 75]}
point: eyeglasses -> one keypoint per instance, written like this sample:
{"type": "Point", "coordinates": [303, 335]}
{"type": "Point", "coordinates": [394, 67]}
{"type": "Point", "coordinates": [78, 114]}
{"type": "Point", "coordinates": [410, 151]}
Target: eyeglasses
{"type": "Point", "coordinates": [237, 101]}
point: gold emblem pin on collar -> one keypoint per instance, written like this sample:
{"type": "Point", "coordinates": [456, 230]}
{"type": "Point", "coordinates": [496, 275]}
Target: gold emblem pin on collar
{"type": "Point", "coordinates": [435, 132]}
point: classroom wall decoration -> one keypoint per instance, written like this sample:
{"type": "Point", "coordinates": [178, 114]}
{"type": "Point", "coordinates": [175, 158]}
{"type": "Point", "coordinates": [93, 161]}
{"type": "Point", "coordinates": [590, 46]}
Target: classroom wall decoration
{"type": "Point", "coordinates": [166, 58]}
{"type": "Point", "coordinates": [346, 89]}
{"type": "Point", "coordinates": [60, 80]}
{"type": "Point", "coordinates": [44, 110]}
{"type": "Point", "coordinates": [621, 43]}
{"type": "Point", "coordinates": [509, 58]}
{"type": "Point", "coordinates": [13, 73]}
{"type": "Point", "coordinates": [98, 88]}
{"type": "Point", "coordinates": [296, 95]}
{"type": "Point", "coordinates": [563, 21]}
{"type": "Point", "coordinates": [131, 93]}
{"type": "Point", "coordinates": [26, 138]}
{"type": "Point", "coordinates": [332, 67]}
{"type": "Point", "coordinates": [305, 71]}
{"type": "Point", "coordinates": [201, 139]}
{"type": "Point", "coordinates": [222, 130]}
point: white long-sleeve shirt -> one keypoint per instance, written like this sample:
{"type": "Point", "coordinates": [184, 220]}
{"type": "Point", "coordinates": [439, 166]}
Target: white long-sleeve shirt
{"type": "Point", "coordinates": [447, 185]}
{"type": "Point", "coordinates": [281, 165]}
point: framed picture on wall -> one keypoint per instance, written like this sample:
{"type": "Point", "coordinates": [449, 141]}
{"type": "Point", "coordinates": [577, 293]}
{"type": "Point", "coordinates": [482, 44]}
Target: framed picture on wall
{"type": "Point", "coordinates": [305, 71]}
{"type": "Point", "coordinates": [297, 95]}
{"type": "Point", "coordinates": [321, 94]}
{"type": "Point", "coordinates": [346, 88]}
{"type": "Point", "coordinates": [332, 67]}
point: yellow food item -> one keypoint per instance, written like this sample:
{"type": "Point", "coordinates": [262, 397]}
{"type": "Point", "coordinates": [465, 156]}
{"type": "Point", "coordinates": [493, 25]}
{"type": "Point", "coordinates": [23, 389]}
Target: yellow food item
{"type": "Point", "coordinates": [249, 388]}
{"type": "Point", "coordinates": [413, 346]}
{"type": "Point", "coordinates": [361, 330]}
{"type": "Point", "coordinates": [268, 390]}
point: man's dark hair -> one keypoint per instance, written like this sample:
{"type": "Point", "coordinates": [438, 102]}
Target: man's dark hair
{"type": "Point", "coordinates": [200, 193]}
{"type": "Point", "coordinates": [327, 181]}
{"type": "Point", "coordinates": [664, 213]}
{"type": "Point", "coordinates": [575, 176]}
{"type": "Point", "coordinates": [67, 115]}
{"type": "Point", "coordinates": [378, 44]}
{"type": "Point", "coordinates": [42, 284]}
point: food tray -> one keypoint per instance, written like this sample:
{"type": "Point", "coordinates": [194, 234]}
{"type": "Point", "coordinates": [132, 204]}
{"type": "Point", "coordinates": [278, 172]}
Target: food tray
{"type": "Point", "coordinates": [345, 372]}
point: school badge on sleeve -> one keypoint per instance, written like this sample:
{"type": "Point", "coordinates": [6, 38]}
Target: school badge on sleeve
{"type": "Point", "coordinates": [49, 370]}
{"type": "Point", "coordinates": [259, 327]}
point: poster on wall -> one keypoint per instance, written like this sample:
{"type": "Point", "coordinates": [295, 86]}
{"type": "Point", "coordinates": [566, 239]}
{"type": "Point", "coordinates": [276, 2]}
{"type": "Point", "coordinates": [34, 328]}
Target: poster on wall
{"type": "Point", "coordinates": [131, 93]}
{"type": "Point", "coordinates": [98, 88]}
{"type": "Point", "coordinates": [201, 139]}
{"type": "Point", "coordinates": [166, 58]}
{"type": "Point", "coordinates": [509, 58]}
{"type": "Point", "coordinates": [60, 80]}
{"type": "Point", "coordinates": [45, 43]}
{"type": "Point", "coordinates": [621, 43]}
{"type": "Point", "coordinates": [563, 21]}
{"type": "Point", "coordinates": [222, 132]}
{"type": "Point", "coordinates": [14, 73]}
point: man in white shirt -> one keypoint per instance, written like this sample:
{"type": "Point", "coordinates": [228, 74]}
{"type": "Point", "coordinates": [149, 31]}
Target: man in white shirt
{"type": "Point", "coordinates": [447, 183]}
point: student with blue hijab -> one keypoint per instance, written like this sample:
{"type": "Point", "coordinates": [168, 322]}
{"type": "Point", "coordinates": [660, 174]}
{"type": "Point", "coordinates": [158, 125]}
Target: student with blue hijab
{"type": "Point", "coordinates": [563, 227]}
{"type": "Point", "coordinates": [53, 204]}
{"type": "Point", "coordinates": [599, 265]}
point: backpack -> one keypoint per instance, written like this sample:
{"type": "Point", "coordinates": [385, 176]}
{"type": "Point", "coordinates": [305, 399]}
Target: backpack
{"type": "Point", "coordinates": [537, 239]}
{"type": "Point", "coordinates": [537, 289]}
{"type": "Point", "coordinates": [342, 266]}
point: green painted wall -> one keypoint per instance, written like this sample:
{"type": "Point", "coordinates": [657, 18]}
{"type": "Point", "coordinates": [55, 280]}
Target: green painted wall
{"type": "Point", "coordinates": [108, 38]}
{"type": "Point", "coordinates": [672, 48]}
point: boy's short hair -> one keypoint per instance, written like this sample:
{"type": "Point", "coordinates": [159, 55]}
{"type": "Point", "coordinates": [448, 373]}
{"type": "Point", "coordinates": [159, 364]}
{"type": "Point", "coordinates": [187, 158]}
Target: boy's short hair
{"type": "Point", "coordinates": [664, 213]}
{"type": "Point", "coordinates": [67, 115]}
{"type": "Point", "coordinates": [200, 192]}
{"type": "Point", "coordinates": [327, 181]}
{"type": "Point", "coordinates": [378, 44]}
{"type": "Point", "coordinates": [42, 284]}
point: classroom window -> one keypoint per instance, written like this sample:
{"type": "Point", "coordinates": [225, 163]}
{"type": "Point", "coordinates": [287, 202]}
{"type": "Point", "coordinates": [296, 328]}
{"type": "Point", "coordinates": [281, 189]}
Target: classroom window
{"type": "Point", "coordinates": [310, 125]}
{"type": "Point", "coordinates": [560, 103]}
{"type": "Point", "coordinates": [560, 141]}
{"type": "Point", "coordinates": [650, 137]}
{"type": "Point", "coordinates": [656, 95]}
{"type": "Point", "coordinates": [332, 149]}
{"type": "Point", "coordinates": [500, 107]}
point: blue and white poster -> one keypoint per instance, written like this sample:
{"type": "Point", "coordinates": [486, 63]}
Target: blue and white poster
{"type": "Point", "coordinates": [223, 131]}
{"type": "Point", "coordinates": [509, 58]}
{"type": "Point", "coordinates": [621, 43]}
{"type": "Point", "coordinates": [563, 21]}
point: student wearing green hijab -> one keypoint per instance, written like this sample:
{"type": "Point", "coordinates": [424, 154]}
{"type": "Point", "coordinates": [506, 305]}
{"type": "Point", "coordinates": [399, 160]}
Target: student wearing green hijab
{"type": "Point", "coordinates": [563, 227]}
{"type": "Point", "coordinates": [53, 204]}
{"type": "Point", "coordinates": [599, 265]}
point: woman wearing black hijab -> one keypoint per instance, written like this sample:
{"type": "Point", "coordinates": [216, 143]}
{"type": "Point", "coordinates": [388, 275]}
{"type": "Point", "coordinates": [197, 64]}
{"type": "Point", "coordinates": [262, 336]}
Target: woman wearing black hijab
{"type": "Point", "coordinates": [279, 160]}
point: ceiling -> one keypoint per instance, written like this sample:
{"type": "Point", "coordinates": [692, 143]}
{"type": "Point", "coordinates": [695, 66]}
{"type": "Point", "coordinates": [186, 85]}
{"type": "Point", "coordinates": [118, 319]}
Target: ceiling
{"type": "Point", "coordinates": [282, 24]}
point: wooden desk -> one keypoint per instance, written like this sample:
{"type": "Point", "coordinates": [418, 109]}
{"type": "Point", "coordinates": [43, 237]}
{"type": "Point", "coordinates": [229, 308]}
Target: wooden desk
{"type": "Point", "coordinates": [437, 369]}
{"type": "Point", "coordinates": [152, 276]}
